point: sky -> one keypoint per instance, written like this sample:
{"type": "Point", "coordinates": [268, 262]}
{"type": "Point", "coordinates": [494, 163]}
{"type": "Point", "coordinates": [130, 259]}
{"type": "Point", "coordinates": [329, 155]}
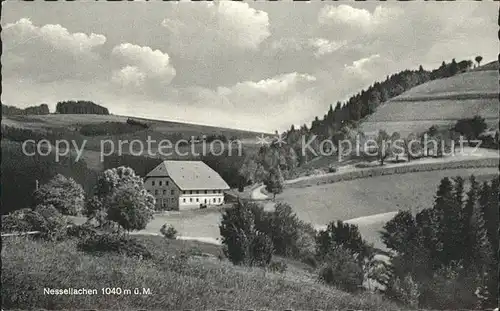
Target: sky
{"type": "Point", "coordinates": [250, 65]}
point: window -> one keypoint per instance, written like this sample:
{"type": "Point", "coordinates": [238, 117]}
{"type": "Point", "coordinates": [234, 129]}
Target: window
{"type": "Point", "coordinates": [184, 200]}
{"type": "Point", "coordinates": [196, 191]}
{"type": "Point", "coordinates": [219, 200]}
{"type": "Point", "coordinates": [164, 191]}
{"type": "Point", "coordinates": [197, 200]}
{"type": "Point", "coordinates": [166, 182]}
{"type": "Point", "coordinates": [190, 191]}
{"type": "Point", "coordinates": [156, 192]}
{"type": "Point", "coordinates": [153, 183]}
{"type": "Point", "coordinates": [160, 182]}
{"type": "Point", "coordinates": [206, 191]}
{"type": "Point", "coordinates": [190, 199]}
{"type": "Point", "coordinates": [183, 192]}
{"type": "Point", "coordinates": [172, 192]}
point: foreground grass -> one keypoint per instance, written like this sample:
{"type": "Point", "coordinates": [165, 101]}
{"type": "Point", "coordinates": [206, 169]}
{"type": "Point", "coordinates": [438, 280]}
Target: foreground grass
{"type": "Point", "coordinates": [193, 281]}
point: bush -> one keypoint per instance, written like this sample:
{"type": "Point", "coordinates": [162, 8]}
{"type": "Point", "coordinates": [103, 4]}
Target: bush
{"type": "Point", "coordinates": [344, 235]}
{"type": "Point", "coordinates": [451, 288]}
{"type": "Point", "coordinates": [82, 231]}
{"type": "Point", "coordinates": [278, 266]}
{"type": "Point", "coordinates": [341, 268]}
{"type": "Point", "coordinates": [332, 169]}
{"type": "Point", "coordinates": [121, 244]}
{"type": "Point", "coordinates": [168, 231]}
{"type": "Point", "coordinates": [405, 290]}
{"type": "Point", "coordinates": [44, 218]}
{"type": "Point", "coordinates": [109, 128]}
{"type": "Point", "coordinates": [243, 242]}
{"type": "Point", "coordinates": [16, 221]}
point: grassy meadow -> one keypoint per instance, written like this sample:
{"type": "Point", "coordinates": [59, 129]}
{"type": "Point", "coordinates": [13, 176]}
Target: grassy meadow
{"type": "Point", "coordinates": [439, 102]}
{"type": "Point", "coordinates": [164, 127]}
{"type": "Point", "coordinates": [181, 275]}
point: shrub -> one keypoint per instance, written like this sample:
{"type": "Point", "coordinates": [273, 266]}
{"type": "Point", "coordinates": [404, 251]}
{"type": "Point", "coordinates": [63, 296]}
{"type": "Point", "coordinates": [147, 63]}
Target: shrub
{"type": "Point", "coordinates": [44, 218]}
{"type": "Point", "coordinates": [278, 266]}
{"type": "Point", "coordinates": [405, 290]}
{"type": "Point", "coordinates": [261, 250]}
{"type": "Point", "coordinates": [451, 288]}
{"type": "Point", "coordinates": [121, 244]}
{"type": "Point", "coordinates": [168, 231]}
{"type": "Point", "coordinates": [341, 234]}
{"type": "Point", "coordinates": [243, 242]}
{"type": "Point", "coordinates": [341, 268]}
{"type": "Point", "coordinates": [16, 221]}
{"type": "Point", "coordinates": [332, 169]}
{"type": "Point", "coordinates": [82, 231]}
{"type": "Point", "coordinates": [63, 193]}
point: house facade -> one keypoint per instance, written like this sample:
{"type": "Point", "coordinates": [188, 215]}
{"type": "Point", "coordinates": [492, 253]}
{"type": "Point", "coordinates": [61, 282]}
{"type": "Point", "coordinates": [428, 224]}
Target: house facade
{"type": "Point", "coordinates": [181, 185]}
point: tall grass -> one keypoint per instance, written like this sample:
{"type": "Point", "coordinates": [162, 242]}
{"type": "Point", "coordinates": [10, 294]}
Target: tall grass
{"type": "Point", "coordinates": [177, 281]}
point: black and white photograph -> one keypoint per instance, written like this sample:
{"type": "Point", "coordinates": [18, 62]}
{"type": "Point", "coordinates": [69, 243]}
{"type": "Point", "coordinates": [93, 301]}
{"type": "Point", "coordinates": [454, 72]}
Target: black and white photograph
{"type": "Point", "coordinates": [250, 155]}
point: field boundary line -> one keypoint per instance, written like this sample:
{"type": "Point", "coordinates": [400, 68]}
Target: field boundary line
{"type": "Point", "coordinates": [381, 171]}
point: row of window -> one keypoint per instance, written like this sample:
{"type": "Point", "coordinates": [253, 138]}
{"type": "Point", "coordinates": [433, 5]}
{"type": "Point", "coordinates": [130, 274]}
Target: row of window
{"type": "Point", "coordinates": [160, 183]}
{"type": "Point", "coordinates": [164, 192]}
{"type": "Point", "coordinates": [165, 201]}
{"type": "Point", "coordinates": [207, 201]}
{"type": "Point", "coordinates": [198, 191]}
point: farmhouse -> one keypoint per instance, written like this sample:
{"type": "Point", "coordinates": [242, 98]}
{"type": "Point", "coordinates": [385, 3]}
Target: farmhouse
{"type": "Point", "coordinates": [179, 185]}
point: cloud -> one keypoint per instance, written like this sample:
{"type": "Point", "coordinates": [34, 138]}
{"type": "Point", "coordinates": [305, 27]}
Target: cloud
{"type": "Point", "coordinates": [141, 64]}
{"type": "Point", "coordinates": [129, 76]}
{"type": "Point", "coordinates": [316, 46]}
{"type": "Point", "coordinates": [55, 36]}
{"type": "Point", "coordinates": [361, 19]}
{"type": "Point", "coordinates": [49, 52]}
{"type": "Point", "coordinates": [275, 86]}
{"type": "Point", "coordinates": [324, 46]}
{"type": "Point", "coordinates": [202, 29]}
{"type": "Point", "coordinates": [361, 64]}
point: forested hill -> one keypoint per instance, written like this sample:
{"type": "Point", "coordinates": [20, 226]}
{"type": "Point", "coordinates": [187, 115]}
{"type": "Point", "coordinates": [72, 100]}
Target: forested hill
{"type": "Point", "coordinates": [365, 102]}
{"type": "Point", "coordinates": [38, 110]}
{"type": "Point", "coordinates": [80, 107]}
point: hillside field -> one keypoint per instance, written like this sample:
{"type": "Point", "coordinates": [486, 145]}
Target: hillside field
{"type": "Point", "coordinates": [163, 127]}
{"type": "Point", "coordinates": [177, 272]}
{"type": "Point", "coordinates": [440, 102]}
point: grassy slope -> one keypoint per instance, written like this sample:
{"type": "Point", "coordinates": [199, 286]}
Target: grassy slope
{"type": "Point", "coordinates": [164, 127]}
{"type": "Point", "coordinates": [440, 102]}
{"type": "Point", "coordinates": [199, 283]}
{"type": "Point", "coordinates": [158, 131]}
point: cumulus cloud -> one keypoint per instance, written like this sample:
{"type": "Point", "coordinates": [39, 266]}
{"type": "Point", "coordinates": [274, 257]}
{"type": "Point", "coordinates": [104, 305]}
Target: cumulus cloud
{"type": "Point", "coordinates": [129, 76]}
{"type": "Point", "coordinates": [141, 64]}
{"type": "Point", "coordinates": [316, 46]}
{"type": "Point", "coordinates": [360, 65]}
{"type": "Point", "coordinates": [55, 36]}
{"type": "Point", "coordinates": [324, 46]}
{"type": "Point", "coordinates": [346, 15]}
{"type": "Point", "coordinates": [49, 52]}
{"type": "Point", "coordinates": [200, 29]}
{"type": "Point", "coordinates": [275, 86]}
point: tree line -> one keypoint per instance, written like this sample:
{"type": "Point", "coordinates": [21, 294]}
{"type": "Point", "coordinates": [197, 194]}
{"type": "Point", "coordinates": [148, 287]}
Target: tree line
{"type": "Point", "coordinates": [80, 107]}
{"type": "Point", "coordinates": [349, 113]}
{"type": "Point", "coordinates": [33, 110]}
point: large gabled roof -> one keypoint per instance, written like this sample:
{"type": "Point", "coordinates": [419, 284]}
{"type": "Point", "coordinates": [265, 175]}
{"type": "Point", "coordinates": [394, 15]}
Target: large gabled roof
{"type": "Point", "coordinates": [190, 175]}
